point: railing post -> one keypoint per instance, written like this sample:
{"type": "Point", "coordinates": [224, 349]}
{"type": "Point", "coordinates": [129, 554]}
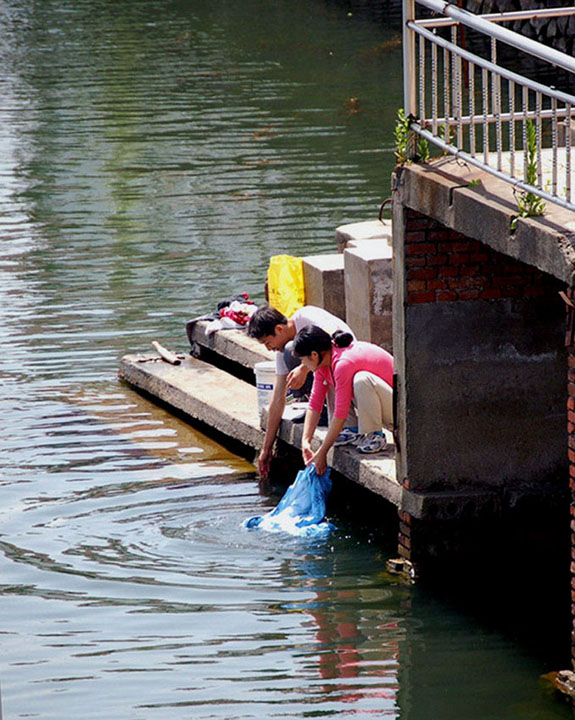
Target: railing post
{"type": "Point", "coordinates": [409, 68]}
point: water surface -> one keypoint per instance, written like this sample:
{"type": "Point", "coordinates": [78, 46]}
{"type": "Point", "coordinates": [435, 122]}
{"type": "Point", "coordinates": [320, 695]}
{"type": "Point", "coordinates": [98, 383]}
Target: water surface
{"type": "Point", "coordinates": [154, 155]}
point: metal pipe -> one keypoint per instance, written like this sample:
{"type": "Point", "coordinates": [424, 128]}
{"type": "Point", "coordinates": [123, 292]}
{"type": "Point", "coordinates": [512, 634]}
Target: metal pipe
{"type": "Point", "coordinates": [462, 155]}
{"type": "Point", "coordinates": [503, 72]}
{"type": "Point", "coordinates": [505, 35]}
{"type": "Point", "coordinates": [408, 58]}
{"type": "Point", "coordinates": [510, 16]}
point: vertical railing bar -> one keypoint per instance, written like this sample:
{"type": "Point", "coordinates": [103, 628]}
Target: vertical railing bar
{"type": "Point", "coordinates": [539, 137]}
{"type": "Point", "coordinates": [496, 102]}
{"type": "Point", "coordinates": [422, 80]}
{"type": "Point", "coordinates": [434, 92]}
{"type": "Point", "coordinates": [472, 108]}
{"type": "Point", "coordinates": [447, 99]}
{"type": "Point", "coordinates": [456, 82]}
{"type": "Point", "coordinates": [511, 91]}
{"type": "Point", "coordinates": [525, 111]}
{"type": "Point", "coordinates": [568, 153]}
{"type": "Point", "coordinates": [554, 145]}
{"type": "Point", "coordinates": [485, 97]}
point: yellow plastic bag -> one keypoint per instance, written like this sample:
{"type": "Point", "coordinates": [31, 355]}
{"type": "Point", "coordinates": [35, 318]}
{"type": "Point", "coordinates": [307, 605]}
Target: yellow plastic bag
{"type": "Point", "coordinates": [286, 290]}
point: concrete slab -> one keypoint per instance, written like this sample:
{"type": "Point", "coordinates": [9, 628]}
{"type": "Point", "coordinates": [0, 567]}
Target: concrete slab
{"type": "Point", "coordinates": [201, 391]}
{"type": "Point", "coordinates": [324, 283]}
{"type": "Point", "coordinates": [369, 292]}
{"type": "Point", "coordinates": [348, 235]}
{"type": "Point", "coordinates": [235, 345]}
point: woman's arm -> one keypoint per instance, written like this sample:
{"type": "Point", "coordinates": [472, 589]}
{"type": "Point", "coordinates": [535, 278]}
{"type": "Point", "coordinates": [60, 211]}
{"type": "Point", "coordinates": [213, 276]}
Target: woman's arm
{"type": "Point", "coordinates": [319, 458]}
{"type": "Point", "coordinates": [309, 426]}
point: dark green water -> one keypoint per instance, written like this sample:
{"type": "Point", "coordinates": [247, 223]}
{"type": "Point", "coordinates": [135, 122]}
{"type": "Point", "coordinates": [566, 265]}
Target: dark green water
{"type": "Point", "coordinates": [154, 154]}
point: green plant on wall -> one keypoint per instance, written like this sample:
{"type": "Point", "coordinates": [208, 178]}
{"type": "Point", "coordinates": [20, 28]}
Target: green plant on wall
{"type": "Point", "coordinates": [403, 142]}
{"type": "Point", "coordinates": [529, 204]}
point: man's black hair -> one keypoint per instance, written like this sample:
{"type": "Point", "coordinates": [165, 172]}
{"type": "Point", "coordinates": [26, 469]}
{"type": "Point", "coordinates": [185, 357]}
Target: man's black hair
{"type": "Point", "coordinates": [263, 322]}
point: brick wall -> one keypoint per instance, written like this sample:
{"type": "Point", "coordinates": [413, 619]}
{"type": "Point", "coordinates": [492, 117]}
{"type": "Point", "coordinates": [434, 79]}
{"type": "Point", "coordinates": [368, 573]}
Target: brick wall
{"type": "Point", "coordinates": [571, 452]}
{"type": "Point", "coordinates": [442, 265]}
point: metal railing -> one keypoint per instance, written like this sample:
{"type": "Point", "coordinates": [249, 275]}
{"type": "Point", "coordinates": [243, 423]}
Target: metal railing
{"type": "Point", "coordinates": [470, 106]}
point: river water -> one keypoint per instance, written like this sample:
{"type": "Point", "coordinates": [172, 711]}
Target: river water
{"type": "Point", "coordinates": [154, 155]}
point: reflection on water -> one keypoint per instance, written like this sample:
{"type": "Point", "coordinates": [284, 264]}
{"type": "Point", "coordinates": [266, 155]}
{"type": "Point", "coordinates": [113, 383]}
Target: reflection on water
{"type": "Point", "coordinates": [154, 155]}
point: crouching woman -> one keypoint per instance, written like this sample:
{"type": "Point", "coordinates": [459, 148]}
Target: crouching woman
{"type": "Point", "coordinates": [360, 373]}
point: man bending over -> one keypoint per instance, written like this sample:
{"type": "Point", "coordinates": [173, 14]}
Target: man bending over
{"type": "Point", "coordinates": [274, 330]}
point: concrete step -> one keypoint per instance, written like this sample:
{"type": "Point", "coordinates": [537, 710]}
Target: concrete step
{"type": "Point", "coordinates": [378, 231]}
{"type": "Point", "coordinates": [201, 391]}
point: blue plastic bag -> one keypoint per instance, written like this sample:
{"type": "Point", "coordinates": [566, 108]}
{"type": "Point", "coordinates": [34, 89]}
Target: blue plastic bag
{"type": "Point", "coordinates": [301, 511]}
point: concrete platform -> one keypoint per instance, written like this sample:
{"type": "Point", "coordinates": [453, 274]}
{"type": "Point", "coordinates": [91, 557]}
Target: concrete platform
{"type": "Point", "coordinates": [229, 405]}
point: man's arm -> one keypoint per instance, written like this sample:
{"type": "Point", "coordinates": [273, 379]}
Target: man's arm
{"type": "Point", "coordinates": [275, 412]}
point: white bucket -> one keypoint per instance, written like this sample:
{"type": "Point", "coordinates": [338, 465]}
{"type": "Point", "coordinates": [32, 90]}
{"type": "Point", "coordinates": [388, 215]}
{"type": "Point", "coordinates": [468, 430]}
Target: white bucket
{"type": "Point", "coordinates": [265, 376]}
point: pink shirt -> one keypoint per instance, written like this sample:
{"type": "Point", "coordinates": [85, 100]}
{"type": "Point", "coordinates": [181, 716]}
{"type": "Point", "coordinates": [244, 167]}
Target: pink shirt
{"type": "Point", "coordinates": [345, 362]}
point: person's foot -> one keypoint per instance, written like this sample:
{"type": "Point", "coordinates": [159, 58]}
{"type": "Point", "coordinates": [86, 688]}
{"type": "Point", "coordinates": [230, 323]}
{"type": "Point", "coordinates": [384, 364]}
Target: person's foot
{"type": "Point", "coordinates": [373, 442]}
{"type": "Point", "coordinates": [348, 436]}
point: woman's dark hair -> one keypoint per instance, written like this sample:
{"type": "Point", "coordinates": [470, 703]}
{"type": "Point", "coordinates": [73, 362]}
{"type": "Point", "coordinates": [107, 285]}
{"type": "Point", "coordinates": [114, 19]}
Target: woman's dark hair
{"type": "Point", "coordinates": [312, 338]}
{"type": "Point", "coordinates": [264, 321]}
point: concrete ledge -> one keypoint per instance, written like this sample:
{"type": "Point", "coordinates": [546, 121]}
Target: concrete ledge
{"type": "Point", "coordinates": [235, 345]}
{"type": "Point", "coordinates": [484, 212]}
{"type": "Point", "coordinates": [201, 391]}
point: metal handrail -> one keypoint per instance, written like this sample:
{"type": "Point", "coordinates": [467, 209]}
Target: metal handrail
{"type": "Point", "coordinates": [477, 94]}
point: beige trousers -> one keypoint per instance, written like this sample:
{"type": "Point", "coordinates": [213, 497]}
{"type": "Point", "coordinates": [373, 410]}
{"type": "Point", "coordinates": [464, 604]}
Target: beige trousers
{"type": "Point", "coordinates": [373, 400]}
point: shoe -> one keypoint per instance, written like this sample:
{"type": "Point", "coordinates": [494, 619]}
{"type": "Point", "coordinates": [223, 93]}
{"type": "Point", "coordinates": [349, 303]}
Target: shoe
{"type": "Point", "coordinates": [348, 436]}
{"type": "Point", "coordinates": [373, 442]}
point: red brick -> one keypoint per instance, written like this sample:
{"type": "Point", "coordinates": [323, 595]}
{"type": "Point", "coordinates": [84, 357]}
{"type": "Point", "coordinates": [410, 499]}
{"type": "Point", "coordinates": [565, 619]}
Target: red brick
{"type": "Point", "coordinates": [420, 249]}
{"type": "Point", "coordinates": [571, 403]}
{"type": "Point", "coordinates": [491, 294]}
{"type": "Point", "coordinates": [511, 292]}
{"type": "Point", "coordinates": [571, 389]}
{"type": "Point", "coordinates": [571, 416]}
{"type": "Point", "coordinates": [436, 285]}
{"type": "Point", "coordinates": [534, 291]}
{"type": "Point", "coordinates": [416, 285]}
{"type": "Point", "coordinates": [423, 274]}
{"type": "Point", "coordinates": [437, 260]}
{"type": "Point", "coordinates": [439, 235]}
{"type": "Point", "coordinates": [415, 237]}
{"type": "Point", "coordinates": [417, 261]}
{"type": "Point", "coordinates": [471, 294]}
{"type": "Point", "coordinates": [420, 297]}
{"type": "Point", "coordinates": [468, 270]}
{"type": "Point", "coordinates": [571, 360]}
{"type": "Point", "coordinates": [507, 281]}
{"type": "Point", "coordinates": [458, 259]}
{"type": "Point", "coordinates": [571, 456]}
{"type": "Point", "coordinates": [457, 283]}
{"type": "Point", "coordinates": [448, 271]}
{"type": "Point", "coordinates": [479, 257]}
{"type": "Point", "coordinates": [448, 296]}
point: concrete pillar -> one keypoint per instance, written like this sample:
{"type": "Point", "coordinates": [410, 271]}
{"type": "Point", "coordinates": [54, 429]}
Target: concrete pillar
{"type": "Point", "coordinates": [324, 283]}
{"type": "Point", "coordinates": [369, 291]}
